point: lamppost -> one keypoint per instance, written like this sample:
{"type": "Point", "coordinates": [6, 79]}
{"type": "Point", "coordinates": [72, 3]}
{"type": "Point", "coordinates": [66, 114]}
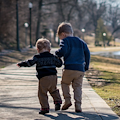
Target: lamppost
{"type": "Point", "coordinates": [83, 31]}
{"type": "Point", "coordinates": [104, 35]}
{"type": "Point", "coordinates": [30, 7]}
{"type": "Point", "coordinates": [26, 26]}
{"type": "Point", "coordinates": [118, 22]}
{"type": "Point", "coordinates": [17, 26]}
{"type": "Point", "coordinates": [51, 34]}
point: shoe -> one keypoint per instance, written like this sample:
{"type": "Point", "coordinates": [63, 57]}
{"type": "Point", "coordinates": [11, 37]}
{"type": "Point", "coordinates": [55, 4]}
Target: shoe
{"type": "Point", "coordinates": [57, 106]}
{"type": "Point", "coordinates": [66, 106]}
{"type": "Point", "coordinates": [78, 108]}
{"type": "Point", "coordinates": [78, 111]}
{"type": "Point", "coordinates": [44, 110]}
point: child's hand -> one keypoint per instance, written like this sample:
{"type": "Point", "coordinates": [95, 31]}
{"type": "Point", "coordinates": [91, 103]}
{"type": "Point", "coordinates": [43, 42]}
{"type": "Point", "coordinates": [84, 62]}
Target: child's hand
{"type": "Point", "coordinates": [18, 65]}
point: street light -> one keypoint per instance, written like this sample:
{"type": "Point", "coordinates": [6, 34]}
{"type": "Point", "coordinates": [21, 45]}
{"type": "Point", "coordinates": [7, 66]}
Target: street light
{"type": "Point", "coordinates": [26, 26]}
{"type": "Point", "coordinates": [104, 35]}
{"type": "Point", "coordinates": [83, 31]}
{"type": "Point", "coordinates": [118, 22]}
{"type": "Point", "coordinates": [30, 7]}
{"type": "Point", "coordinates": [17, 26]}
{"type": "Point", "coordinates": [51, 34]}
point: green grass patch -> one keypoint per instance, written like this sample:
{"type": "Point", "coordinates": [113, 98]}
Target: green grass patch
{"type": "Point", "coordinates": [109, 72]}
{"type": "Point", "coordinates": [110, 77]}
{"type": "Point", "coordinates": [110, 93]}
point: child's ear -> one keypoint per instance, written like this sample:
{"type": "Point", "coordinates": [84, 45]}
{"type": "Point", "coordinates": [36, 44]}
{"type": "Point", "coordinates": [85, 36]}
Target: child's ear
{"type": "Point", "coordinates": [38, 50]}
{"type": "Point", "coordinates": [63, 34]}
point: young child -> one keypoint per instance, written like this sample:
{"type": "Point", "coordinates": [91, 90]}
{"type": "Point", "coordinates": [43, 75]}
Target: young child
{"type": "Point", "coordinates": [46, 64]}
{"type": "Point", "coordinates": [76, 61]}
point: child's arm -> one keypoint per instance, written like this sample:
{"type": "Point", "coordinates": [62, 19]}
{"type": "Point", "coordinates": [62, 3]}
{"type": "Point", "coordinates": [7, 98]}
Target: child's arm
{"type": "Point", "coordinates": [58, 62]}
{"type": "Point", "coordinates": [63, 49]}
{"type": "Point", "coordinates": [27, 63]}
{"type": "Point", "coordinates": [87, 57]}
{"type": "Point", "coordinates": [23, 64]}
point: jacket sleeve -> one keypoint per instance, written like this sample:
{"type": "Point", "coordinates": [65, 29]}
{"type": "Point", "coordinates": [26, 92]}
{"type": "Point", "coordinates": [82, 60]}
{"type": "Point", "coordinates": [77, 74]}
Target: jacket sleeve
{"type": "Point", "coordinates": [28, 63]}
{"type": "Point", "coordinates": [63, 49]}
{"type": "Point", "coordinates": [87, 57]}
{"type": "Point", "coordinates": [58, 62]}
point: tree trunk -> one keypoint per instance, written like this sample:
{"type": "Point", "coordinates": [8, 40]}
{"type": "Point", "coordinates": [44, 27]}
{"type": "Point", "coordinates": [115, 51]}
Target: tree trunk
{"type": "Point", "coordinates": [39, 20]}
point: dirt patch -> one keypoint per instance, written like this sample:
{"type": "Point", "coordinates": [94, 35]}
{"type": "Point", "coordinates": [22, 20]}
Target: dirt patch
{"type": "Point", "coordinates": [10, 57]}
{"type": "Point", "coordinates": [93, 78]}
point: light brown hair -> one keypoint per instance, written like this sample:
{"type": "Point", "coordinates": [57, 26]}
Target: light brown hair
{"type": "Point", "coordinates": [64, 27]}
{"type": "Point", "coordinates": [43, 43]}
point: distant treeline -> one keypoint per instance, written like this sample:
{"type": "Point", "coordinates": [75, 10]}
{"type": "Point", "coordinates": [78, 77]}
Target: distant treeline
{"type": "Point", "coordinates": [47, 14]}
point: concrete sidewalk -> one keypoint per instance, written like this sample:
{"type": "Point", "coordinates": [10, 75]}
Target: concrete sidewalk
{"type": "Point", "coordinates": [18, 99]}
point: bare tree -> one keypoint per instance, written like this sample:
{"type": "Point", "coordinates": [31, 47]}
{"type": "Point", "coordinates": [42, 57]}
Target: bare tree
{"type": "Point", "coordinates": [115, 18]}
{"type": "Point", "coordinates": [95, 11]}
{"type": "Point", "coordinates": [112, 18]}
{"type": "Point", "coordinates": [39, 18]}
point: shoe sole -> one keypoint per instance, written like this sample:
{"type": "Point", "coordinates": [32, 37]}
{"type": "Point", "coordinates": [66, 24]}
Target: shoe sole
{"type": "Point", "coordinates": [57, 107]}
{"type": "Point", "coordinates": [43, 113]}
{"type": "Point", "coordinates": [78, 111]}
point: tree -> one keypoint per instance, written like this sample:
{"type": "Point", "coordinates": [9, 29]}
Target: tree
{"type": "Point", "coordinates": [95, 11]}
{"type": "Point", "coordinates": [6, 20]}
{"type": "Point", "coordinates": [102, 34]}
{"type": "Point", "coordinates": [80, 13]}
{"type": "Point", "coordinates": [112, 18]}
{"type": "Point", "coordinates": [39, 19]}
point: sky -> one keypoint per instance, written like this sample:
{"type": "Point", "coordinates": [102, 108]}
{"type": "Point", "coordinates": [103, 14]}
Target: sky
{"type": "Point", "coordinates": [114, 2]}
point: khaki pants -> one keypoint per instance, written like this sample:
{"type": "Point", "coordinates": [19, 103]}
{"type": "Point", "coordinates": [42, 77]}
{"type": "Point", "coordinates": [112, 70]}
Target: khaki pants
{"type": "Point", "coordinates": [76, 78]}
{"type": "Point", "coordinates": [48, 83]}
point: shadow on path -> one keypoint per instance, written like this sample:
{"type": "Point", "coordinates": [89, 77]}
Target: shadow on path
{"type": "Point", "coordinates": [17, 107]}
{"type": "Point", "coordinates": [65, 115]}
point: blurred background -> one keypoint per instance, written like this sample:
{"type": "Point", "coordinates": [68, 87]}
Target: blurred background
{"type": "Point", "coordinates": [22, 22]}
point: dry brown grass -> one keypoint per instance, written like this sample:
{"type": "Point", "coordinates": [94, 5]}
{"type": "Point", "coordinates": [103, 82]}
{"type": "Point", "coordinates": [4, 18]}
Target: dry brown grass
{"type": "Point", "coordinates": [106, 49]}
{"type": "Point", "coordinates": [90, 40]}
{"type": "Point", "coordinates": [15, 56]}
{"type": "Point", "coordinates": [109, 64]}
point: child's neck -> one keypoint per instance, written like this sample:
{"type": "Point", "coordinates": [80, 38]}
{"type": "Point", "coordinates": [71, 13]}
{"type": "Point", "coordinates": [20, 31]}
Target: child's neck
{"type": "Point", "coordinates": [44, 50]}
{"type": "Point", "coordinates": [68, 35]}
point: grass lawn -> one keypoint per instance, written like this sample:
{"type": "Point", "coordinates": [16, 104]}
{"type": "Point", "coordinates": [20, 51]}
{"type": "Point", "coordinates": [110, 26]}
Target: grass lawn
{"type": "Point", "coordinates": [106, 71]}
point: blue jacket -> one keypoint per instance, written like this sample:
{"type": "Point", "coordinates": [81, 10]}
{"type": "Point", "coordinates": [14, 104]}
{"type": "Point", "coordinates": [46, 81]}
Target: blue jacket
{"type": "Point", "coordinates": [75, 53]}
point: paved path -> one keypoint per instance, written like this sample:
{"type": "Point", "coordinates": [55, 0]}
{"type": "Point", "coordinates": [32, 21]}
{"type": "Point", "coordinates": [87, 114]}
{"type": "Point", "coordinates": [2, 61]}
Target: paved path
{"type": "Point", "coordinates": [18, 99]}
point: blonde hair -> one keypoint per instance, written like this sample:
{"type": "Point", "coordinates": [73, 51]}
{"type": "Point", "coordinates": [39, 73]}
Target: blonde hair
{"type": "Point", "coordinates": [64, 27]}
{"type": "Point", "coordinates": [43, 43]}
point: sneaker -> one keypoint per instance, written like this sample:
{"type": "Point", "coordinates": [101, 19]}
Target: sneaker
{"type": "Point", "coordinates": [78, 108]}
{"type": "Point", "coordinates": [78, 111]}
{"type": "Point", "coordinates": [57, 106]}
{"type": "Point", "coordinates": [66, 106]}
{"type": "Point", "coordinates": [43, 111]}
